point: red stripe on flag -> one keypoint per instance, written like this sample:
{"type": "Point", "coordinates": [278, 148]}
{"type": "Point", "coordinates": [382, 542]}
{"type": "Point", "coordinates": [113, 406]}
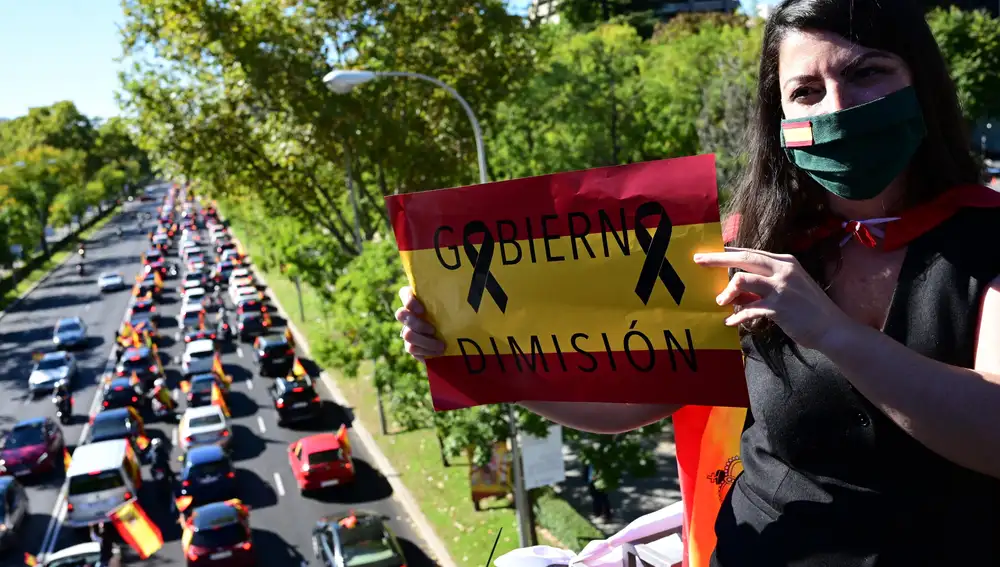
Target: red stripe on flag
{"type": "Point", "coordinates": [454, 387]}
{"type": "Point", "coordinates": [582, 194]}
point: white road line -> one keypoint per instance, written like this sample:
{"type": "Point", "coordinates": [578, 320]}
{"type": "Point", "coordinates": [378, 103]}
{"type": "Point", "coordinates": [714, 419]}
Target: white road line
{"type": "Point", "coordinates": [176, 393]}
{"type": "Point", "coordinates": [177, 335]}
{"type": "Point", "coordinates": [250, 384]}
{"type": "Point", "coordinates": [86, 307]}
{"type": "Point", "coordinates": [278, 486]}
{"type": "Point", "coordinates": [239, 352]}
{"type": "Point", "coordinates": [260, 424]}
{"type": "Point", "coordinates": [173, 437]}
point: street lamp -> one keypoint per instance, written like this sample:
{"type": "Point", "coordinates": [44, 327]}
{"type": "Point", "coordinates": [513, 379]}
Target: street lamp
{"type": "Point", "coordinates": [343, 81]}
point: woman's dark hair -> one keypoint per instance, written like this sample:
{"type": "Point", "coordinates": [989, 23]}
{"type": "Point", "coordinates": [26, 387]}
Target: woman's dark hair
{"type": "Point", "coordinates": [774, 200]}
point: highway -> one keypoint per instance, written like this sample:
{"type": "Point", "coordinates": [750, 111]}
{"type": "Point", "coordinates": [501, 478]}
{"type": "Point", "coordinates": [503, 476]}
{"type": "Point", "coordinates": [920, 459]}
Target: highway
{"type": "Point", "coordinates": [282, 519]}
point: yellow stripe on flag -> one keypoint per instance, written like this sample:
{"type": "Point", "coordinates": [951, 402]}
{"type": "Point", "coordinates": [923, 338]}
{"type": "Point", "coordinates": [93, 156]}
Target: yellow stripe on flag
{"type": "Point", "coordinates": [67, 458]}
{"type": "Point", "coordinates": [142, 442]}
{"type": "Point", "coordinates": [185, 386]}
{"type": "Point", "coordinates": [137, 529]}
{"type": "Point", "coordinates": [609, 290]}
{"type": "Point", "coordinates": [184, 502]}
{"type": "Point", "coordinates": [30, 560]}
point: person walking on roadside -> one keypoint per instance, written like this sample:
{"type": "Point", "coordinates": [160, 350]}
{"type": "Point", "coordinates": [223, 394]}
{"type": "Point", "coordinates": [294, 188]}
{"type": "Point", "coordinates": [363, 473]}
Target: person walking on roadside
{"type": "Point", "coordinates": [865, 284]}
{"type": "Point", "coordinates": [598, 496]}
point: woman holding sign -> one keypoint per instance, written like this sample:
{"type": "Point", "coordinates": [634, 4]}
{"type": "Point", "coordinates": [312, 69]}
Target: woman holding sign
{"type": "Point", "coordinates": [866, 289]}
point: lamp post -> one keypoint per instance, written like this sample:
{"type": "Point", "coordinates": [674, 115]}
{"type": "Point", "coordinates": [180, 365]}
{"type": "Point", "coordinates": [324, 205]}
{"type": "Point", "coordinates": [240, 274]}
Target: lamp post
{"type": "Point", "coordinates": [343, 81]}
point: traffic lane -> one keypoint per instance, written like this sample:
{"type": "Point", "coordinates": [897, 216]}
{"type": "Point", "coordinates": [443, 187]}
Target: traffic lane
{"type": "Point", "coordinates": [40, 310]}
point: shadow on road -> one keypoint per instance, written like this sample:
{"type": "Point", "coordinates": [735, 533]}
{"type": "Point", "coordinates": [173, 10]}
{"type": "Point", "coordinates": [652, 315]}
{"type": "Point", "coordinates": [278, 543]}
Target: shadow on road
{"type": "Point", "coordinates": [241, 405]}
{"type": "Point", "coordinates": [331, 417]}
{"type": "Point", "coordinates": [252, 490]}
{"type": "Point", "coordinates": [247, 444]}
{"type": "Point", "coordinates": [369, 486]}
{"type": "Point", "coordinates": [277, 551]}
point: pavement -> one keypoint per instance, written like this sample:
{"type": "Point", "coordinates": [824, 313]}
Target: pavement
{"type": "Point", "coordinates": [282, 519]}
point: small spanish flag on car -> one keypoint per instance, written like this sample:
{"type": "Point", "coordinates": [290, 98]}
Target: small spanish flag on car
{"type": "Point", "coordinates": [30, 560]}
{"type": "Point", "coordinates": [219, 400]}
{"type": "Point", "coordinates": [297, 368]}
{"type": "Point", "coordinates": [183, 502]}
{"type": "Point", "coordinates": [142, 442]}
{"type": "Point", "coordinates": [67, 458]}
{"type": "Point", "coordinates": [137, 529]}
{"type": "Point", "coordinates": [217, 367]}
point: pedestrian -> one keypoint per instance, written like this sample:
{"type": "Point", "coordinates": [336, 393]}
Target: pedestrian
{"type": "Point", "coordinates": [598, 496]}
{"type": "Point", "coordinates": [865, 287]}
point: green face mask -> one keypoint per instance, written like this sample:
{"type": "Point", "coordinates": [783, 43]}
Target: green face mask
{"type": "Point", "coordinates": [856, 152]}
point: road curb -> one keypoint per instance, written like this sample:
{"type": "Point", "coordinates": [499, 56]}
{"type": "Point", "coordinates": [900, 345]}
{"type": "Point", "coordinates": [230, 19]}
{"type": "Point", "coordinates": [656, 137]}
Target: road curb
{"type": "Point", "coordinates": [399, 491]}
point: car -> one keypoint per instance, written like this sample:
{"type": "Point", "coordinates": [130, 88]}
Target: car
{"type": "Point", "coordinates": [79, 555]}
{"type": "Point", "coordinates": [144, 362]}
{"type": "Point", "coordinates": [194, 296]}
{"type": "Point", "coordinates": [195, 278]}
{"type": "Point", "coordinates": [144, 305]}
{"type": "Point", "coordinates": [274, 355]}
{"type": "Point", "coordinates": [250, 305]}
{"type": "Point", "coordinates": [144, 321]}
{"type": "Point", "coordinates": [111, 281]}
{"type": "Point", "coordinates": [13, 512]}
{"type": "Point", "coordinates": [32, 446]}
{"type": "Point", "coordinates": [152, 256]}
{"type": "Point", "coordinates": [51, 369]}
{"type": "Point", "coordinates": [199, 389]}
{"type": "Point", "coordinates": [321, 461]}
{"type": "Point", "coordinates": [237, 294]}
{"type": "Point", "coordinates": [191, 316]}
{"type": "Point", "coordinates": [70, 332]}
{"type": "Point", "coordinates": [197, 350]}
{"type": "Point", "coordinates": [219, 535]}
{"type": "Point", "coordinates": [200, 335]}
{"type": "Point", "coordinates": [244, 281]}
{"type": "Point", "coordinates": [221, 272]}
{"type": "Point", "coordinates": [357, 538]}
{"type": "Point", "coordinates": [196, 266]}
{"type": "Point", "coordinates": [206, 425]}
{"type": "Point", "coordinates": [230, 255]}
{"type": "Point", "coordinates": [295, 399]}
{"type": "Point", "coordinates": [119, 423]}
{"type": "Point", "coordinates": [252, 324]}
{"type": "Point", "coordinates": [207, 475]}
{"type": "Point", "coordinates": [122, 393]}
{"type": "Point", "coordinates": [150, 284]}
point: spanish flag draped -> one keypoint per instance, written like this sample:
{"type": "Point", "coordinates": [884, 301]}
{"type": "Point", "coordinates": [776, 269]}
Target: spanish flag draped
{"type": "Point", "coordinates": [137, 529]}
{"type": "Point", "coordinates": [576, 287]}
{"type": "Point", "coordinates": [297, 369]}
{"type": "Point", "coordinates": [219, 400]}
{"type": "Point", "coordinates": [30, 560]}
{"type": "Point", "coordinates": [67, 458]}
{"type": "Point", "coordinates": [184, 502]}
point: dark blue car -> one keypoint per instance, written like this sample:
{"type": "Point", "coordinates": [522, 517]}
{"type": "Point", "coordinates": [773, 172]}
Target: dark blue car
{"type": "Point", "coordinates": [207, 476]}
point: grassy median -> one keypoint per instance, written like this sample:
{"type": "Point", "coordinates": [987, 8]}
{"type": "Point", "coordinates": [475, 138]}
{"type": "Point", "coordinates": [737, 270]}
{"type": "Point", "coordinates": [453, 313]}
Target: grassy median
{"type": "Point", "coordinates": [441, 492]}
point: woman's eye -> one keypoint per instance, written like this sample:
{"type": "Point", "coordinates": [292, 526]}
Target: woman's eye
{"type": "Point", "coordinates": [869, 72]}
{"type": "Point", "coordinates": [801, 93]}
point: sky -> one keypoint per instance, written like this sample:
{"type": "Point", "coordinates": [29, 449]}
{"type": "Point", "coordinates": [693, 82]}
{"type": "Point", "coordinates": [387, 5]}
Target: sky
{"type": "Point", "coordinates": [54, 50]}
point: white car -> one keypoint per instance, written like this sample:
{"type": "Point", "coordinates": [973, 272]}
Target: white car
{"type": "Point", "coordinates": [193, 296]}
{"type": "Point", "coordinates": [111, 281]}
{"type": "Point", "coordinates": [188, 317]}
{"type": "Point", "coordinates": [238, 294]}
{"type": "Point", "coordinates": [230, 255]}
{"type": "Point", "coordinates": [53, 368]}
{"type": "Point", "coordinates": [81, 554]}
{"type": "Point", "coordinates": [241, 282]}
{"type": "Point", "coordinates": [201, 349]}
{"type": "Point", "coordinates": [239, 273]}
{"type": "Point", "coordinates": [205, 425]}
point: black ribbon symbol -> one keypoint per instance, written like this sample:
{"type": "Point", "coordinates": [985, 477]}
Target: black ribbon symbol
{"type": "Point", "coordinates": [482, 279]}
{"type": "Point", "coordinates": [656, 264]}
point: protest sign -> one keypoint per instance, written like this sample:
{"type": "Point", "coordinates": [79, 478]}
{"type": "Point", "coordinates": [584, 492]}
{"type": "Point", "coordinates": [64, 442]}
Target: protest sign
{"type": "Point", "coordinates": [576, 286]}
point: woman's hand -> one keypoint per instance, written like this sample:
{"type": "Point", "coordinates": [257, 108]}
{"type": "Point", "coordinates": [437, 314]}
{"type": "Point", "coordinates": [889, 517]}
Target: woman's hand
{"type": "Point", "coordinates": [782, 291]}
{"type": "Point", "coordinates": [417, 333]}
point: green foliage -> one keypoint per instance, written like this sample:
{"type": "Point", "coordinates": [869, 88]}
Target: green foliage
{"type": "Point", "coordinates": [970, 43]}
{"type": "Point", "coordinates": [562, 521]}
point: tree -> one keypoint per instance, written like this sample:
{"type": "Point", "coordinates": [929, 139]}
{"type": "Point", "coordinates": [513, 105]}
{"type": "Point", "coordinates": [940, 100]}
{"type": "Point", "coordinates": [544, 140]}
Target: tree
{"type": "Point", "coordinates": [970, 43]}
{"type": "Point", "coordinates": [35, 178]}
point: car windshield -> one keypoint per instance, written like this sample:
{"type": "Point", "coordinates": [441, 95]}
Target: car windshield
{"type": "Point", "coordinates": [104, 429]}
{"type": "Point", "coordinates": [271, 348]}
{"type": "Point", "coordinates": [140, 365]}
{"type": "Point", "coordinates": [364, 544]}
{"type": "Point", "coordinates": [205, 421]}
{"type": "Point", "coordinates": [51, 363]}
{"type": "Point", "coordinates": [198, 355]}
{"type": "Point", "coordinates": [202, 386]}
{"type": "Point", "coordinates": [68, 327]}
{"type": "Point", "coordinates": [90, 483]}
{"type": "Point", "coordinates": [23, 437]}
{"type": "Point", "coordinates": [226, 535]}
{"type": "Point", "coordinates": [81, 560]}
{"type": "Point", "coordinates": [325, 457]}
{"type": "Point", "coordinates": [120, 394]}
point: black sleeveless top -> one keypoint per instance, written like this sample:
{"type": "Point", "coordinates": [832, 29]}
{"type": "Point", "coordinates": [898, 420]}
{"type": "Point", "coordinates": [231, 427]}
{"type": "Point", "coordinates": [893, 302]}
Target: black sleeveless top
{"type": "Point", "coordinates": [828, 478]}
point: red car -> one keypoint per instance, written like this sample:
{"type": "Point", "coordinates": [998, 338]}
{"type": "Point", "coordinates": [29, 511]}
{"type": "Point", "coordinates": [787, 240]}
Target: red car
{"type": "Point", "coordinates": [219, 535]}
{"type": "Point", "coordinates": [322, 460]}
{"type": "Point", "coordinates": [32, 446]}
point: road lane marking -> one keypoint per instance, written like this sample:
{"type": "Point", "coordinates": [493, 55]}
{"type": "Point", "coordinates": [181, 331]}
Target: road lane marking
{"type": "Point", "coordinates": [250, 384]}
{"type": "Point", "coordinates": [239, 352]}
{"type": "Point", "coordinates": [177, 336]}
{"type": "Point", "coordinates": [176, 393]}
{"type": "Point", "coordinates": [86, 307]}
{"type": "Point", "coordinates": [278, 485]}
{"type": "Point", "coordinates": [173, 437]}
{"type": "Point", "coordinates": [260, 424]}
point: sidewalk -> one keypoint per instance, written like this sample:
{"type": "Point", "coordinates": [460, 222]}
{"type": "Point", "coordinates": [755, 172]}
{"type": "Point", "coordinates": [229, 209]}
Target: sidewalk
{"type": "Point", "coordinates": [635, 497]}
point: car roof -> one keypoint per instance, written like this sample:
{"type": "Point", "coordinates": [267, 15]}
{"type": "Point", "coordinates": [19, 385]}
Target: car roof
{"type": "Point", "coordinates": [200, 345]}
{"type": "Point", "coordinates": [69, 320]}
{"type": "Point", "coordinates": [273, 340]}
{"type": "Point", "coordinates": [113, 414]}
{"type": "Point", "coordinates": [31, 422]}
{"type": "Point", "coordinates": [195, 290]}
{"type": "Point", "coordinates": [216, 513]}
{"type": "Point", "coordinates": [85, 549]}
{"type": "Point", "coordinates": [110, 275]}
{"type": "Point", "coordinates": [205, 377]}
{"type": "Point", "coordinates": [5, 482]}
{"type": "Point", "coordinates": [361, 515]}
{"type": "Point", "coordinates": [98, 456]}
{"type": "Point", "coordinates": [59, 354]}
{"type": "Point", "coordinates": [136, 352]}
{"type": "Point", "coordinates": [205, 454]}
{"type": "Point", "coordinates": [297, 382]}
{"type": "Point", "coordinates": [252, 315]}
{"type": "Point", "coordinates": [320, 442]}
{"type": "Point", "coordinates": [120, 382]}
{"type": "Point", "coordinates": [203, 411]}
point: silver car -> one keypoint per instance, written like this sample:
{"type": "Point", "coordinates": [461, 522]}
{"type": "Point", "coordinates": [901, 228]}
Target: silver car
{"type": "Point", "coordinates": [111, 281]}
{"type": "Point", "coordinates": [53, 368]}
{"type": "Point", "coordinates": [70, 332]}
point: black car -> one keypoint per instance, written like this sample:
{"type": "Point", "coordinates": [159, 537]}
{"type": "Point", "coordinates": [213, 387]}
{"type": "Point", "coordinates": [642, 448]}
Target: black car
{"type": "Point", "coordinates": [198, 366]}
{"type": "Point", "coordinates": [221, 272]}
{"type": "Point", "coordinates": [200, 392]}
{"type": "Point", "coordinates": [295, 399]}
{"type": "Point", "coordinates": [199, 335]}
{"type": "Point", "coordinates": [145, 307]}
{"type": "Point", "coordinates": [13, 511]}
{"type": "Point", "coordinates": [251, 325]}
{"type": "Point", "coordinates": [274, 355]}
{"type": "Point", "coordinates": [121, 393]}
{"type": "Point", "coordinates": [357, 538]}
{"type": "Point", "coordinates": [114, 424]}
{"type": "Point", "coordinates": [143, 362]}
{"type": "Point", "coordinates": [207, 476]}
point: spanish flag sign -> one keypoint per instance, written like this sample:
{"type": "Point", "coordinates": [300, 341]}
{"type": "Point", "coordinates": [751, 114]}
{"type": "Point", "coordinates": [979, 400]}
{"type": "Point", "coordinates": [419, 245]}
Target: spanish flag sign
{"type": "Point", "coordinates": [137, 529]}
{"type": "Point", "coordinates": [576, 287]}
